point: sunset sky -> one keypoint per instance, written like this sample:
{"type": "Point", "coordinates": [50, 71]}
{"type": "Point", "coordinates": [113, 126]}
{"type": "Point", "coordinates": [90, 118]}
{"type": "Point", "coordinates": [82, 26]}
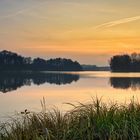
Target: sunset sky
{"type": "Point", "coordinates": [89, 31]}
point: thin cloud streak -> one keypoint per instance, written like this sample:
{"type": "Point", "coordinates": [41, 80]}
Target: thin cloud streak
{"type": "Point", "coordinates": [117, 22]}
{"type": "Point", "coordinates": [107, 24]}
{"type": "Point", "coordinates": [14, 14]}
{"type": "Point", "coordinates": [22, 11]}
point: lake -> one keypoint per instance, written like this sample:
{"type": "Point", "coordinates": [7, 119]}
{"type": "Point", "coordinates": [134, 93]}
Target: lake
{"type": "Point", "coordinates": [24, 90]}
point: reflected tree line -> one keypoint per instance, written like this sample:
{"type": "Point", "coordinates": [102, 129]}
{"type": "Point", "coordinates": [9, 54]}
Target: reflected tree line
{"type": "Point", "coordinates": [12, 81]}
{"type": "Point", "coordinates": [125, 83]}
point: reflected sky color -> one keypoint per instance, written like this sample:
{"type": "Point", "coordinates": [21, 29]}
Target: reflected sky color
{"type": "Point", "coordinates": [89, 31]}
{"type": "Point", "coordinates": [89, 85]}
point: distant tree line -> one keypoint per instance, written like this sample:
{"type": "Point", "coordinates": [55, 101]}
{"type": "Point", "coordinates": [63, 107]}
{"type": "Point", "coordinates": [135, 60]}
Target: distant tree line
{"type": "Point", "coordinates": [95, 68]}
{"type": "Point", "coordinates": [125, 63]}
{"type": "Point", "coordinates": [13, 61]}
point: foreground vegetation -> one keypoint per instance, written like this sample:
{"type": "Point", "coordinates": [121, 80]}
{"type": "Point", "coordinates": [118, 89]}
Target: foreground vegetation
{"type": "Point", "coordinates": [95, 121]}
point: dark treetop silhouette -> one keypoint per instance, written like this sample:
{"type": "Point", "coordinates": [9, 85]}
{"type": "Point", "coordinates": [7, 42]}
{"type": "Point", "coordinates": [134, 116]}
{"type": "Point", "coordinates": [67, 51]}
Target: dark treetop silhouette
{"type": "Point", "coordinates": [13, 61]}
{"type": "Point", "coordinates": [125, 63]}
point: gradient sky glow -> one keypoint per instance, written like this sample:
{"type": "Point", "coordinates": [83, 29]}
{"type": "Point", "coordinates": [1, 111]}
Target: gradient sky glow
{"type": "Point", "coordinates": [89, 31]}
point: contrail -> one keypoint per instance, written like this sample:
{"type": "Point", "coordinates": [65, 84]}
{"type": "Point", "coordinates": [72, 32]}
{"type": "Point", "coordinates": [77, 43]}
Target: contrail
{"type": "Point", "coordinates": [14, 14]}
{"type": "Point", "coordinates": [117, 22]}
{"type": "Point", "coordinates": [21, 11]}
{"type": "Point", "coordinates": [108, 24]}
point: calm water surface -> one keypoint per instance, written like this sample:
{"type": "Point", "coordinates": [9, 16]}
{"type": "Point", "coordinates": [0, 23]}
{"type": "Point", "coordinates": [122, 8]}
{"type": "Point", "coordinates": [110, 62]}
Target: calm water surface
{"type": "Point", "coordinates": [20, 91]}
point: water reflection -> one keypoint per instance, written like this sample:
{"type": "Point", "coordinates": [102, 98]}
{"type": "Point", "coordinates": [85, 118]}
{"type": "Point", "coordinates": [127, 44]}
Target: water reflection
{"type": "Point", "coordinates": [12, 81]}
{"type": "Point", "coordinates": [125, 82]}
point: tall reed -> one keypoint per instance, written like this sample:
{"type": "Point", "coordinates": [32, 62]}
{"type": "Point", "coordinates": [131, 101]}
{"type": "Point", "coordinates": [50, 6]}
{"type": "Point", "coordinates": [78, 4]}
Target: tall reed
{"type": "Point", "coordinates": [94, 121]}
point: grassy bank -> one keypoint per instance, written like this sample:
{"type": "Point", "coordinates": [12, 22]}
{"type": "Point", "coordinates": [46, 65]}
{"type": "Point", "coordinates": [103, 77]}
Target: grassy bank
{"type": "Point", "coordinates": [95, 121]}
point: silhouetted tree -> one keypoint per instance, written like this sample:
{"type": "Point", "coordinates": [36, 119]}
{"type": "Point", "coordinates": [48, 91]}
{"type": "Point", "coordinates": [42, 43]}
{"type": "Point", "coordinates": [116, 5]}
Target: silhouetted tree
{"type": "Point", "coordinates": [28, 60]}
{"type": "Point", "coordinates": [62, 64]}
{"type": "Point", "coordinates": [135, 65]}
{"type": "Point", "coordinates": [13, 61]}
{"type": "Point", "coordinates": [39, 61]}
{"type": "Point", "coordinates": [125, 63]}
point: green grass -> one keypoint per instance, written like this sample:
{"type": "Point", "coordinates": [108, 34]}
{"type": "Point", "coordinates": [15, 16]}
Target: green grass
{"type": "Point", "coordinates": [95, 121]}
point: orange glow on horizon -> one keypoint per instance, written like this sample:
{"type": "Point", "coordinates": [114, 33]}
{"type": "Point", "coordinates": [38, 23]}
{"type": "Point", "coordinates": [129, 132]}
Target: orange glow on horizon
{"type": "Point", "coordinates": [76, 29]}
